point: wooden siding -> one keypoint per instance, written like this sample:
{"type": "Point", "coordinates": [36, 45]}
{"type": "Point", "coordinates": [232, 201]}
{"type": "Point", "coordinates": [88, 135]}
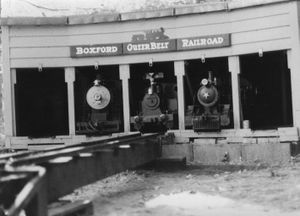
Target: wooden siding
{"type": "Point", "coordinates": [267, 27]}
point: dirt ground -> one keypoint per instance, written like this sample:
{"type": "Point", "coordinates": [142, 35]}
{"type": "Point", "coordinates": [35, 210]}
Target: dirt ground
{"type": "Point", "coordinates": [198, 190]}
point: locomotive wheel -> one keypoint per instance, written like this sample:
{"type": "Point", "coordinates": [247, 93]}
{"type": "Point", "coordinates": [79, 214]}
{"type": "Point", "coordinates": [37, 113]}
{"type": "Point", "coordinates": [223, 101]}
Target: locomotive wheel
{"type": "Point", "coordinates": [98, 97]}
{"type": "Point", "coordinates": [208, 96]}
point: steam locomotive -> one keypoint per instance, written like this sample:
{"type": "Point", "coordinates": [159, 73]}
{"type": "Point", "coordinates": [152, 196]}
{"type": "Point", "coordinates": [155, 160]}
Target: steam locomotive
{"type": "Point", "coordinates": [206, 113]}
{"type": "Point", "coordinates": [99, 100]}
{"type": "Point", "coordinates": [153, 116]}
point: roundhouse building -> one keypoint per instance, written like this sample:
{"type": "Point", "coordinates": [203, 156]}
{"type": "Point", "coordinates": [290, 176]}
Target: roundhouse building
{"type": "Point", "coordinates": [252, 48]}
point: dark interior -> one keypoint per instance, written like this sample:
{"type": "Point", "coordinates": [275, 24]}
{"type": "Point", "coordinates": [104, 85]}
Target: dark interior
{"type": "Point", "coordinates": [85, 77]}
{"type": "Point", "coordinates": [266, 90]}
{"type": "Point", "coordinates": [139, 85]}
{"type": "Point", "coordinates": [196, 70]}
{"type": "Point", "coordinates": [41, 102]}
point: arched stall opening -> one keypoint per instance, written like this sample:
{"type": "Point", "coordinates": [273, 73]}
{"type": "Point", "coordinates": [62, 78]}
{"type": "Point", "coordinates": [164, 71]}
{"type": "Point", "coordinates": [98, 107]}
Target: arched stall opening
{"type": "Point", "coordinates": [153, 97]}
{"type": "Point", "coordinates": [98, 100]}
{"type": "Point", "coordinates": [41, 102]}
{"type": "Point", "coordinates": [265, 86]}
{"type": "Point", "coordinates": [208, 95]}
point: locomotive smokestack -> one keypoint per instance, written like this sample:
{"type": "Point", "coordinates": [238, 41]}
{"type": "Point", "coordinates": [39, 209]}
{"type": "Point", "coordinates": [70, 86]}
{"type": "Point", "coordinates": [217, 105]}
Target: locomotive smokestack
{"type": "Point", "coordinates": [210, 76]}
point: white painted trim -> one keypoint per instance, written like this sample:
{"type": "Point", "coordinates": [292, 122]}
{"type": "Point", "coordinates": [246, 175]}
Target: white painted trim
{"type": "Point", "coordinates": [180, 72]}
{"type": "Point", "coordinates": [8, 109]}
{"type": "Point", "coordinates": [70, 79]}
{"type": "Point", "coordinates": [13, 99]}
{"type": "Point", "coordinates": [293, 56]}
{"type": "Point", "coordinates": [124, 71]}
{"type": "Point", "coordinates": [234, 68]}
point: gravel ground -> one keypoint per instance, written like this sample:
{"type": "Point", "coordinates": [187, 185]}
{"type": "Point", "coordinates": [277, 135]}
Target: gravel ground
{"type": "Point", "coordinates": [211, 190]}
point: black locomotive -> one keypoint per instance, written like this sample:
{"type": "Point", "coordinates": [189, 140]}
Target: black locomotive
{"type": "Point", "coordinates": [206, 113]}
{"type": "Point", "coordinates": [153, 115]}
{"type": "Point", "coordinates": [99, 101]}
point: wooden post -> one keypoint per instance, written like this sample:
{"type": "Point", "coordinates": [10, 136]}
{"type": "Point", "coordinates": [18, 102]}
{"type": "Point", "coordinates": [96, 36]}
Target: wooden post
{"type": "Point", "coordinates": [180, 72]}
{"type": "Point", "coordinates": [294, 64]}
{"type": "Point", "coordinates": [8, 87]}
{"type": "Point", "coordinates": [125, 76]}
{"type": "Point", "coordinates": [70, 79]}
{"type": "Point", "coordinates": [13, 99]}
{"type": "Point", "coordinates": [284, 99]}
{"type": "Point", "coordinates": [234, 68]}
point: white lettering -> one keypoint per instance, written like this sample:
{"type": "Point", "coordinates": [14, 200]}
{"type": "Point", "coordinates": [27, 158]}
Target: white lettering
{"type": "Point", "coordinates": [114, 49]}
{"type": "Point", "coordinates": [93, 50]}
{"type": "Point", "coordinates": [147, 46]}
{"type": "Point", "coordinates": [185, 42]}
{"type": "Point", "coordinates": [129, 47]}
{"type": "Point", "coordinates": [203, 41]}
{"type": "Point", "coordinates": [86, 50]}
{"type": "Point", "coordinates": [220, 40]}
{"type": "Point", "coordinates": [153, 45]}
{"type": "Point", "coordinates": [96, 50]}
{"type": "Point", "coordinates": [200, 42]}
{"type": "Point", "coordinates": [78, 50]}
{"type": "Point", "coordinates": [166, 45]}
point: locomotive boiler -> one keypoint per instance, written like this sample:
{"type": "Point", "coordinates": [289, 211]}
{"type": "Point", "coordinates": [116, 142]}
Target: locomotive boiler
{"type": "Point", "coordinates": [206, 113]}
{"type": "Point", "coordinates": [153, 115]}
{"type": "Point", "coordinates": [99, 100]}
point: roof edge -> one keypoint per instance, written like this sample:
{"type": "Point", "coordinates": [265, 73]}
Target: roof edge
{"type": "Point", "coordinates": [27, 21]}
{"type": "Point", "coordinates": [117, 17]}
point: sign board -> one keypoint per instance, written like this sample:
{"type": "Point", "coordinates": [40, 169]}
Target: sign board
{"type": "Point", "coordinates": [151, 41]}
{"type": "Point", "coordinates": [149, 47]}
{"type": "Point", "coordinates": [204, 42]}
{"type": "Point", "coordinates": [96, 50]}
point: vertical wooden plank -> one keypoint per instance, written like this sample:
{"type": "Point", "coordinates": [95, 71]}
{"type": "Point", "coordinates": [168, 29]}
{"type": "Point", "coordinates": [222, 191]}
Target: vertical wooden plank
{"type": "Point", "coordinates": [284, 82]}
{"type": "Point", "coordinates": [13, 99]}
{"type": "Point", "coordinates": [70, 79]}
{"type": "Point", "coordinates": [124, 71]}
{"type": "Point", "coordinates": [294, 63]}
{"type": "Point", "coordinates": [180, 72]}
{"type": "Point", "coordinates": [234, 68]}
{"type": "Point", "coordinates": [7, 86]}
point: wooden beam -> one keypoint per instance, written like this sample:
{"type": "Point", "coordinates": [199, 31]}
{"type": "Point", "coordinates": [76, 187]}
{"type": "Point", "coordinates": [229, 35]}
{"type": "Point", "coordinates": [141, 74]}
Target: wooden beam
{"type": "Point", "coordinates": [13, 99]}
{"type": "Point", "coordinates": [234, 68]}
{"type": "Point", "coordinates": [124, 71]}
{"type": "Point", "coordinates": [70, 79]}
{"type": "Point", "coordinates": [293, 62]}
{"type": "Point", "coordinates": [7, 85]}
{"type": "Point", "coordinates": [180, 72]}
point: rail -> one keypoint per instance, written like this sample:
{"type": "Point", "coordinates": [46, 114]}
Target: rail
{"type": "Point", "coordinates": [32, 196]}
{"type": "Point", "coordinates": [31, 180]}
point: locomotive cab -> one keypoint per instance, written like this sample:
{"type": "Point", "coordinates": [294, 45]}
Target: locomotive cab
{"type": "Point", "coordinates": [206, 115]}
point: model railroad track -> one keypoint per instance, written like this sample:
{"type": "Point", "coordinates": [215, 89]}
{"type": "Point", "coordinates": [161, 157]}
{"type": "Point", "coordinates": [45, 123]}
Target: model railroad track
{"type": "Point", "coordinates": [31, 180]}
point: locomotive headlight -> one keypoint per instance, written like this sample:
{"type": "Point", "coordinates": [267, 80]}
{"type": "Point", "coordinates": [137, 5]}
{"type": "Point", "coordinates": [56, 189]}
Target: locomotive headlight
{"type": "Point", "coordinates": [163, 117]}
{"type": "Point", "coordinates": [204, 82]}
{"type": "Point", "coordinates": [137, 119]}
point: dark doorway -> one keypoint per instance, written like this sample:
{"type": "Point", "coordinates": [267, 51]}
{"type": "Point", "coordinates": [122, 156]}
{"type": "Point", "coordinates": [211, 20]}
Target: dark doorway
{"type": "Point", "coordinates": [196, 70]}
{"type": "Point", "coordinates": [265, 85]}
{"type": "Point", "coordinates": [107, 119]}
{"type": "Point", "coordinates": [41, 102]}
